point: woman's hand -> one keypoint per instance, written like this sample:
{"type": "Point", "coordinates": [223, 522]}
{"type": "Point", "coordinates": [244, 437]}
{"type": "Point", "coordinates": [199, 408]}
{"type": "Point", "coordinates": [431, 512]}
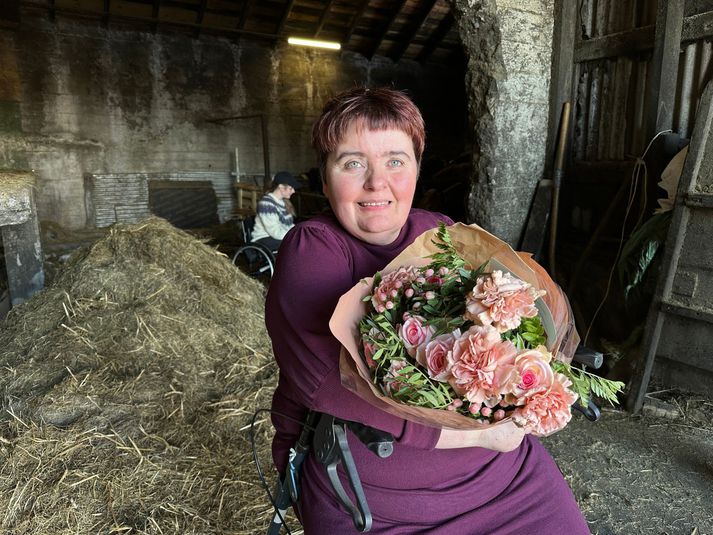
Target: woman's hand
{"type": "Point", "coordinates": [502, 437]}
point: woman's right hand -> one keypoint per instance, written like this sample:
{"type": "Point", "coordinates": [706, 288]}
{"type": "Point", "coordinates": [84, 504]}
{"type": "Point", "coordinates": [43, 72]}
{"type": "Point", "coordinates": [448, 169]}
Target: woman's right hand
{"type": "Point", "coordinates": [502, 437]}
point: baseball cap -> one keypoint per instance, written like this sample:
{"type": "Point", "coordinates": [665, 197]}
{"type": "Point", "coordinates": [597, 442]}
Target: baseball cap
{"type": "Point", "coordinates": [285, 177]}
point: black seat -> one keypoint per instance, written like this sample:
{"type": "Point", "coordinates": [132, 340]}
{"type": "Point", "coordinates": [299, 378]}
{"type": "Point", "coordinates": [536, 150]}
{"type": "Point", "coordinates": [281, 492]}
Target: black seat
{"type": "Point", "coordinates": [254, 259]}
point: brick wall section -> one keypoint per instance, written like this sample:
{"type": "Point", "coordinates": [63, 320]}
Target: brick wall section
{"type": "Point", "coordinates": [509, 49]}
{"type": "Point", "coordinates": [113, 101]}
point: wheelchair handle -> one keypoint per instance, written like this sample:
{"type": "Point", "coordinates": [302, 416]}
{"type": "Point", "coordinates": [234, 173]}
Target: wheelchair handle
{"type": "Point", "coordinates": [588, 357]}
{"type": "Point", "coordinates": [379, 442]}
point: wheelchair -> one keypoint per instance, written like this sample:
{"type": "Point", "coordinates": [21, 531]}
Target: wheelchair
{"type": "Point", "coordinates": [325, 436]}
{"type": "Point", "coordinates": [254, 259]}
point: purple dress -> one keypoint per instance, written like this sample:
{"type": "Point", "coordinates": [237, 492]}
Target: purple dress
{"type": "Point", "coordinates": [419, 489]}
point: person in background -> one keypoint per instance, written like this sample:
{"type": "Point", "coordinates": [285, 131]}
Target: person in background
{"type": "Point", "coordinates": [275, 214]}
{"type": "Point", "coordinates": [496, 481]}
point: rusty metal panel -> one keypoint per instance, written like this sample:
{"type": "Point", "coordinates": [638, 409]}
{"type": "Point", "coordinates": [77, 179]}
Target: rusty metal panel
{"type": "Point", "coordinates": [611, 92]}
{"type": "Point", "coordinates": [124, 197]}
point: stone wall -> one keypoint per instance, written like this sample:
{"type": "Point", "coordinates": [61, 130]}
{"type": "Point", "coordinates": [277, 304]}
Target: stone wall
{"type": "Point", "coordinates": [78, 99]}
{"type": "Point", "coordinates": [509, 49]}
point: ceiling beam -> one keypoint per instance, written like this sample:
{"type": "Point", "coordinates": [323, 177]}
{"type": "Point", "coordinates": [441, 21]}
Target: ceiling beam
{"type": "Point", "coordinates": [285, 16]}
{"type": "Point", "coordinates": [155, 10]}
{"type": "Point", "coordinates": [323, 18]}
{"type": "Point", "coordinates": [247, 6]}
{"type": "Point", "coordinates": [385, 29]}
{"type": "Point", "coordinates": [105, 13]}
{"type": "Point", "coordinates": [199, 17]}
{"type": "Point", "coordinates": [413, 29]}
{"type": "Point", "coordinates": [436, 37]}
{"type": "Point", "coordinates": [358, 15]}
{"type": "Point", "coordinates": [135, 18]}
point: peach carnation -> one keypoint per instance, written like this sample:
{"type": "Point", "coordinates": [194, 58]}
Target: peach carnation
{"type": "Point", "coordinates": [501, 300]}
{"type": "Point", "coordinates": [483, 365]}
{"type": "Point", "coordinates": [548, 411]}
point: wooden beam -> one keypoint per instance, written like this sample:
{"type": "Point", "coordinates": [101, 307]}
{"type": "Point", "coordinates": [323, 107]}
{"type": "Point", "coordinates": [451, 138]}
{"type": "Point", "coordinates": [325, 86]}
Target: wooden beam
{"type": "Point", "coordinates": [323, 18]}
{"type": "Point", "coordinates": [247, 6]}
{"type": "Point", "coordinates": [199, 17]}
{"type": "Point", "coordinates": [413, 29]}
{"type": "Point", "coordinates": [639, 40]}
{"type": "Point", "coordinates": [618, 44]}
{"type": "Point", "coordinates": [105, 13]}
{"type": "Point", "coordinates": [154, 15]}
{"type": "Point", "coordinates": [218, 29]}
{"type": "Point", "coordinates": [52, 12]}
{"type": "Point", "coordinates": [10, 14]}
{"type": "Point", "coordinates": [436, 37]}
{"type": "Point", "coordinates": [356, 18]}
{"type": "Point", "coordinates": [697, 27]}
{"type": "Point", "coordinates": [661, 85]}
{"type": "Point", "coordinates": [565, 35]}
{"type": "Point", "coordinates": [285, 16]}
{"type": "Point", "coordinates": [385, 29]}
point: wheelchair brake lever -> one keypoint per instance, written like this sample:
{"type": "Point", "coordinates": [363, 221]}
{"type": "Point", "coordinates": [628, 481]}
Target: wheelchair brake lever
{"type": "Point", "coordinates": [331, 447]}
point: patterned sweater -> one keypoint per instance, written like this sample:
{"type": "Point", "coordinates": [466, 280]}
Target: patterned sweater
{"type": "Point", "coordinates": [272, 220]}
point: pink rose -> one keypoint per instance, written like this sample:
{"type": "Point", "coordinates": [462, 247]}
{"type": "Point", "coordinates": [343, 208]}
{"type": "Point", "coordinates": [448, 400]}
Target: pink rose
{"type": "Point", "coordinates": [483, 365]}
{"type": "Point", "coordinates": [502, 300]}
{"type": "Point", "coordinates": [533, 374]}
{"type": "Point", "coordinates": [437, 356]}
{"type": "Point", "coordinates": [414, 333]}
{"type": "Point", "coordinates": [391, 284]}
{"type": "Point", "coordinates": [549, 410]}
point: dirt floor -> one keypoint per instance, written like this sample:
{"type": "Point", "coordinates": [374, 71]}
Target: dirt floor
{"type": "Point", "coordinates": [648, 474]}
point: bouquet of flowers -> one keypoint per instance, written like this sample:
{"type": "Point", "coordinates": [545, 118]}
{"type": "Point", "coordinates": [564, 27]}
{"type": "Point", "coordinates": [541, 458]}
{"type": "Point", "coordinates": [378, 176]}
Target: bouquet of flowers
{"type": "Point", "coordinates": [465, 342]}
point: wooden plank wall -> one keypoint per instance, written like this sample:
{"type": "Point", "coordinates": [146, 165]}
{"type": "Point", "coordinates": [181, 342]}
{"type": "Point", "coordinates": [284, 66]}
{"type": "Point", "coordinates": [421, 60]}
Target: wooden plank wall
{"type": "Point", "coordinates": [611, 74]}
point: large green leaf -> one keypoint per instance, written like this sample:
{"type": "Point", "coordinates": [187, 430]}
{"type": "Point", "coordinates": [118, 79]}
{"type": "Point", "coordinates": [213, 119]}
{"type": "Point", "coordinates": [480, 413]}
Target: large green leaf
{"type": "Point", "coordinates": [640, 250]}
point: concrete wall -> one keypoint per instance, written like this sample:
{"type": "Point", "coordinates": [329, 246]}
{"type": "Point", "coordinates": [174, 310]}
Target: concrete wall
{"type": "Point", "coordinates": [509, 49]}
{"type": "Point", "coordinates": [76, 98]}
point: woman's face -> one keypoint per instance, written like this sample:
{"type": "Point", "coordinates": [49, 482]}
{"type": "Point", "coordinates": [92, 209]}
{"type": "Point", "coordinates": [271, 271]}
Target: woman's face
{"type": "Point", "coordinates": [370, 182]}
{"type": "Point", "coordinates": [284, 191]}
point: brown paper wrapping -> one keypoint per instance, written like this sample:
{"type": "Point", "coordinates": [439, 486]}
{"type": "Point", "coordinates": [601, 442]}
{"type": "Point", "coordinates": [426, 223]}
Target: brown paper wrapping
{"type": "Point", "coordinates": [476, 246]}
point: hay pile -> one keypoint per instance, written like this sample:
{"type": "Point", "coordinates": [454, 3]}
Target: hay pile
{"type": "Point", "coordinates": [126, 389]}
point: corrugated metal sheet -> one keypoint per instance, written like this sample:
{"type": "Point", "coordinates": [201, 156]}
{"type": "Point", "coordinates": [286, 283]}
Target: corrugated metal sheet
{"type": "Point", "coordinates": [610, 93]}
{"type": "Point", "coordinates": [124, 197]}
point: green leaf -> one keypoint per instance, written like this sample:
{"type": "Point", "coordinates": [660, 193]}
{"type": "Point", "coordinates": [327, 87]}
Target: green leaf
{"type": "Point", "coordinates": [640, 249]}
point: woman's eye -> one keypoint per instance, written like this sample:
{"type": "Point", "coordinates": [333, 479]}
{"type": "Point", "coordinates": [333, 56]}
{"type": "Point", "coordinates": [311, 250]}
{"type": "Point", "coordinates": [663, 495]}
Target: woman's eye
{"type": "Point", "coordinates": [395, 163]}
{"type": "Point", "coordinates": [353, 164]}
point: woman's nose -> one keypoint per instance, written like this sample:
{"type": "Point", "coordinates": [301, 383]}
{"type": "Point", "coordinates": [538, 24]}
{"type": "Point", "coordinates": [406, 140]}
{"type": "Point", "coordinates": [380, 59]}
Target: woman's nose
{"type": "Point", "coordinates": [375, 179]}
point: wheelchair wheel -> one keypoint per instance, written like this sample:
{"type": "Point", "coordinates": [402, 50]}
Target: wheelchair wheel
{"type": "Point", "coordinates": [255, 261]}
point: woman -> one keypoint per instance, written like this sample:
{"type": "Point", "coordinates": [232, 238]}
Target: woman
{"type": "Point", "coordinates": [489, 482]}
{"type": "Point", "coordinates": [274, 216]}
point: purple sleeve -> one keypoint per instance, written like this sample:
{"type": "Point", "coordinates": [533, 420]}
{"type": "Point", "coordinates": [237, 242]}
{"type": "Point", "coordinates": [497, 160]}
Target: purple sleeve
{"type": "Point", "coordinates": [314, 269]}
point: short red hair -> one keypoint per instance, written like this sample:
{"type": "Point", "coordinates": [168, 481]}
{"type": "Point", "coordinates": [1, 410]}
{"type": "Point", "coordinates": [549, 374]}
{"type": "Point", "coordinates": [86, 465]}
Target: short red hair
{"type": "Point", "coordinates": [378, 109]}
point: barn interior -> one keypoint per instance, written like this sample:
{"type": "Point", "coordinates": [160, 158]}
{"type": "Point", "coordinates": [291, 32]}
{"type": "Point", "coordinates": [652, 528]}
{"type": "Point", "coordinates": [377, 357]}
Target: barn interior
{"type": "Point", "coordinates": [549, 123]}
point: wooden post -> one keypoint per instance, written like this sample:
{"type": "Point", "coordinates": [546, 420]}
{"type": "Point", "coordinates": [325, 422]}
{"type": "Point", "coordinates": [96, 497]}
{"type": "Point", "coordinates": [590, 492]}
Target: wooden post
{"type": "Point", "coordinates": [563, 41]}
{"type": "Point", "coordinates": [661, 92]}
